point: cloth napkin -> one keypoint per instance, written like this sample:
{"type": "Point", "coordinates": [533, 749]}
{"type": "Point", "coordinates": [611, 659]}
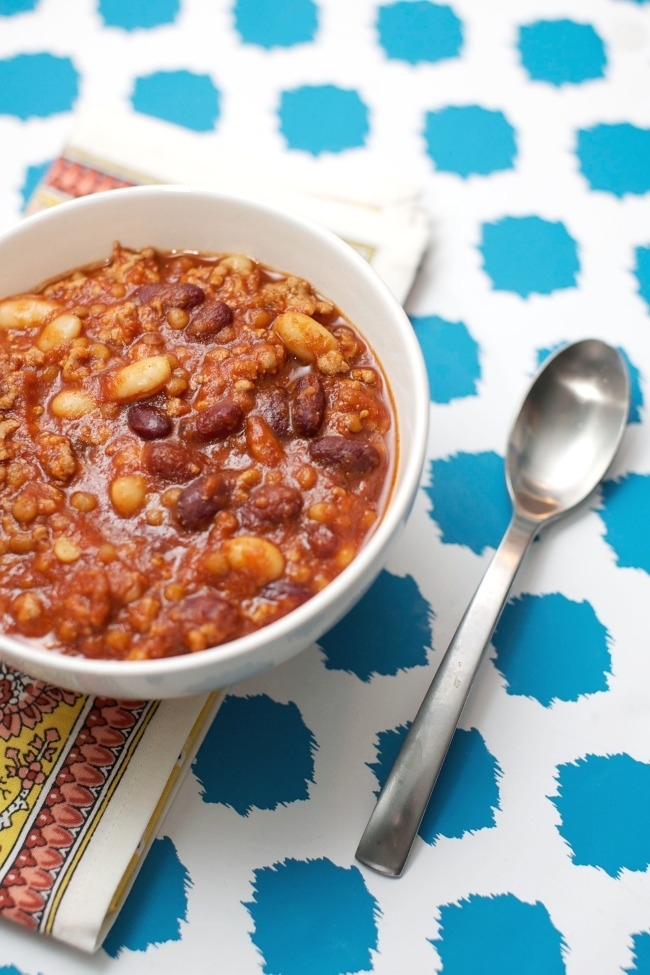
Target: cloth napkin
{"type": "Point", "coordinates": [85, 781]}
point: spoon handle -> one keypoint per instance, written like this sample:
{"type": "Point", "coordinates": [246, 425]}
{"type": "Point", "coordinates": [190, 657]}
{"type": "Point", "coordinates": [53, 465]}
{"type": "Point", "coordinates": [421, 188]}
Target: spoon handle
{"type": "Point", "coordinates": [393, 825]}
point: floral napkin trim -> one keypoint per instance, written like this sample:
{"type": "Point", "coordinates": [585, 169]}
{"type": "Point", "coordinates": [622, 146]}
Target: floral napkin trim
{"type": "Point", "coordinates": [64, 755]}
{"type": "Point", "coordinates": [85, 783]}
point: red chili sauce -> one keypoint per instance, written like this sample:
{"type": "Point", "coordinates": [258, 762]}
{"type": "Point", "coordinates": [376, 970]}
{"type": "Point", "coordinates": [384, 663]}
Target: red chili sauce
{"type": "Point", "coordinates": [190, 447]}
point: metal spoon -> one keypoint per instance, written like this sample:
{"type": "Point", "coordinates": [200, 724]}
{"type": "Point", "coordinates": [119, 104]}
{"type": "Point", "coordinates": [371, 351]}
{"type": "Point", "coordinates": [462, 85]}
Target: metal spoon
{"type": "Point", "coordinates": [564, 439]}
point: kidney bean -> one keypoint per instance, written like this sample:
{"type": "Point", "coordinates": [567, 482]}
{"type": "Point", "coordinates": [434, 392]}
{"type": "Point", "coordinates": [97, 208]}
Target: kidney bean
{"type": "Point", "coordinates": [217, 422]}
{"type": "Point", "coordinates": [350, 456]}
{"type": "Point", "coordinates": [148, 422]}
{"type": "Point", "coordinates": [307, 405]}
{"type": "Point", "coordinates": [170, 295]}
{"type": "Point", "coordinates": [209, 319]}
{"type": "Point", "coordinates": [285, 592]}
{"type": "Point", "coordinates": [200, 500]}
{"type": "Point", "coordinates": [172, 461]}
{"type": "Point", "coordinates": [273, 503]}
{"type": "Point", "coordinates": [322, 541]}
{"type": "Point", "coordinates": [205, 620]}
{"type": "Point", "coordinates": [273, 406]}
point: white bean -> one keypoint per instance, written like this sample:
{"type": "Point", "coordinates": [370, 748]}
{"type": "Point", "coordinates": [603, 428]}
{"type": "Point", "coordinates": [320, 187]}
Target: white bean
{"type": "Point", "coordinates": [27, 311]}
{"type": "Point", "coordinates": [60, 331]}
{"type": "Point", "coordinates": [237, 262]}
{"type": "Point", "coordinates": [140, 379]}
{"type": "Point", "coordinates": [70, 404]}
{"type": "Point", "coordinates": [257, 557]}
{"type": "Point", "coordinates": [303, 336]}
{"type": "Point", "coordinates": [66, 550]}
{"type": "Point", "coordinates": [128, 493]}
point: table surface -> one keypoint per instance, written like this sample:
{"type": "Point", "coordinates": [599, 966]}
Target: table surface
{"type": "Point", "coordinates": [527, 124]}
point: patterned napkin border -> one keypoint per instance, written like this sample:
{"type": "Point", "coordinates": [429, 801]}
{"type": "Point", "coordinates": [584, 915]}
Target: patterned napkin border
{"type": "Point", "coordinates": [84, 784]}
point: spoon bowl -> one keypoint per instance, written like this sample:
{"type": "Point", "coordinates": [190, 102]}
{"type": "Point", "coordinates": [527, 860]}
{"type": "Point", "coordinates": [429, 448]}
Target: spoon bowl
{"type": "Point", "coordinates": [573, 410]}
{"type": "Point", "coordinates": [564, 439]}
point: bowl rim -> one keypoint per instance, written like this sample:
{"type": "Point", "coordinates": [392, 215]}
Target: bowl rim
{"type": "Point", "coordinates": [73, 668]}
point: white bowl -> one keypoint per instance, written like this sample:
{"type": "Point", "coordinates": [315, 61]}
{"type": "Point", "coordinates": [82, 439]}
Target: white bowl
{"type": "Point", "coordinates": [77, 233]}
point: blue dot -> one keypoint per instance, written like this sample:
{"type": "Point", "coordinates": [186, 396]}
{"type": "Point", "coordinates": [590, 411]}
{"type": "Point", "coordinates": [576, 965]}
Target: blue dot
{"type": "Point", "coordinates": [451, 356]}
{"type": "Point", "coordinates": [538, 654]}
{"type": "Point", "coordinates": [641, 955]}
{"type": "Point", "coordinates": [270, 24]}
{"type": "Point", "coordinates": [10, 969]}
{"type": "Point", "coordinates": [626, 503]}
{"type": "Point", "coordinates": [313, 916]}
{"type": "Point", "coordinates": [156, 906]}
{"type": "Point", "coordinates": [615, 158]}
{"type": "Point", "coordinates": [419, 31]}
{"type": "Point", "coordinates": [387, 631]}
{"type": "Point", "coordinates": [323, 118]}
{"type": "Point", "coordinates": [181, 97]}
{"type": "Point", "coordinates": [37, 85]}
{"type": "Point", "coordinates": [134, 16]}
{"type": "Point", "coordinates": [7, 9]}
{"type": "Point", "coordinates": [562, 52]}
{"type": "Point", "coordinates": [237, 764]}
{"type": "Point", "coordinates": [33, 176]}
{"type": "Point", "coordinates": [636, 392]}
{"type": "Point", "coordinates": [642, 271]}
{"type": "Point", "coordinates": [470, 140]}
{"type": "Point", "coordinates": [498, 934]}
{"type": "Point", "coordinates": [470, 499]}
{"type": "Point", "coordinates": [604, 807]}
{"type": "Point", "coordinates": [528, 255]}
{"type": "Point", "coordinates": [466, 795]}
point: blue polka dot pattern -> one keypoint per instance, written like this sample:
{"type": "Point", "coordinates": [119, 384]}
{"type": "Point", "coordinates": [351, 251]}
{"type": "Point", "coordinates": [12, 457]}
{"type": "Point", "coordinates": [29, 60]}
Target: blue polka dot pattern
{"type": "Point", "coordinates": [641, 952]}
{"type": "Point", "coordinates": [156, 906]}
{"type": "Point", "coordinates": [387, 631]}
{"type": "Point", "coordinates": [615, 158]}
{"type": "Point", "coordinates": [538, 652]}
{"type": "Point", "coordinates": [33, 176]}
{"type": "Point", "coordinates": [562, 52]}
{"type": "Point", "coordinates": [595, 792]}
{"type": "Point", "coordinates": [37, 85]}
{"type": "Point", "coordinates": [144, 14]}
{"type": "Point", "coordinates": [323, 118]}
{"type": "Point", "coordinates": [470, 140]}
{"type": "Point", "coordinates": [418, 31]}
{"type": "Point", "coordinates": [498, 934]}
{"type": "Point", "coordinates": [528, 134]}
{"type": "Point", "coordinates": [470, 500]}
{"type": "Point", "coordinates": [637, 399]}
{"type": "Point", "coordinates": [182, 97]}
{"type": "Point", "coordinates": [529, 255]}
{"type": "Point", "coordinates": [269, 24]}
{"type": "Point", "coordinates": [10, 7]}
{"type": "Point", "coordinates": [642, 271]}
{"type": "Point", "coordinates": [451, 356]}
{"type": "Point", "coordinates": [249, 735]}
{"type": "Point", "coordinates": [627, 529]}
{"type": "Point", "coordinates": [292, 899]}
{"type": "Point", "coordinates": [466, 796]}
